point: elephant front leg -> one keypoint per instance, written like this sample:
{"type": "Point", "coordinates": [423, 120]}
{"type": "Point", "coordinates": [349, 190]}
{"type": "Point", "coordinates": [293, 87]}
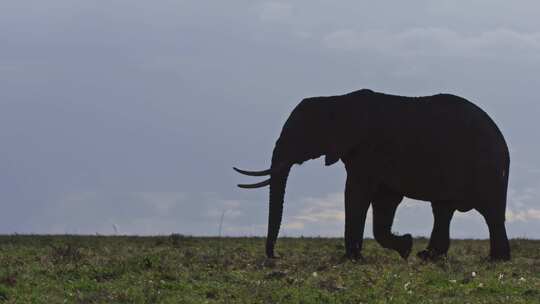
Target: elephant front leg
{"type": "Point", "coordinates": [384, 207]}
{"type": "Point", "coordinates": [356, 206]}
{"type": "Point", "coordinates": [439, 241]}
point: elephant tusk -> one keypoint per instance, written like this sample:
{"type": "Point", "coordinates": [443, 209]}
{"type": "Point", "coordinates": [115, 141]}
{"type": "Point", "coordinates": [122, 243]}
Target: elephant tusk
{"type": "Point", "coordinates": [273, 169]}
{"type": "Point", "coordinates": [257, 185]}
{"type": "Point", "coordinates": [253, 173]}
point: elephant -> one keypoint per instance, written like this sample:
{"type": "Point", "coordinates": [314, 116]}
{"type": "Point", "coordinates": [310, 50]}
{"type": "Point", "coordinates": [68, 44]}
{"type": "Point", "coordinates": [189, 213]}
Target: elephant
{"type": "Point", "coordinates": [441, 148]}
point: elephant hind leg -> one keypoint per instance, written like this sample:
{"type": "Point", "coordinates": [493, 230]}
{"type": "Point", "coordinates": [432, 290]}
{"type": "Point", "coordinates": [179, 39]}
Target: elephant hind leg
{"type": "Point", "coordinates": [439, 241]}
{"type": "Point", "coordinates": [384, 206]}
{"type": "Point", "coordinates": [499, 245]}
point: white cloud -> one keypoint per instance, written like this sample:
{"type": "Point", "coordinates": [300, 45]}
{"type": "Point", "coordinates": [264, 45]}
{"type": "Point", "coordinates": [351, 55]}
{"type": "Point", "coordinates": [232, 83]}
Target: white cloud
{"type": "Point", "coordinates": [168, 212]}
{"type": "Point", "coordinates": [349, 40]}
{"type": "Point", "coordinates": [522, 215]}
{"type": "Point", "coordinates": [294, 225]}
{"type": "Point", "coordinates": [229, 209]}
{"type": "Point", "coordinates": [522, 199]}
{"type": "Point", "coordinates": [324, 209]}
{"type": "Point", "coordinates": [433, 41]}
{"type": "Point", "coordinates": [324, 216]}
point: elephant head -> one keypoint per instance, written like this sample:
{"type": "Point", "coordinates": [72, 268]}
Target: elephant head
{"type": "Point", "coordinates": [309, 132]}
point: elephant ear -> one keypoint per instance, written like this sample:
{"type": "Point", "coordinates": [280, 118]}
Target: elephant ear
{"type": "Point", "coordinates": [332, 138]}
{"type": "Point", "coordinates": [336, 152]}
{"type": "Point", "coordinates": [330, 159]}
{"type": "Point", "coordinates": [339, 140]}
{"type": "Point", "coordinates": [332, 156]}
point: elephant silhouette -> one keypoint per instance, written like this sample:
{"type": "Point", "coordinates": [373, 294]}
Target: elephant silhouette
{"type": "Point", "coordinates": [441, 148]}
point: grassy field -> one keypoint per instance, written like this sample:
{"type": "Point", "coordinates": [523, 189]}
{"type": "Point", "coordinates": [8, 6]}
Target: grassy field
{"type": "Point", "coordinates": [179, 269]}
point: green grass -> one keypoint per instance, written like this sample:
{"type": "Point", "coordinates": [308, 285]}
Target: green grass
{"type": "Point", "coordinates": [178, 269]}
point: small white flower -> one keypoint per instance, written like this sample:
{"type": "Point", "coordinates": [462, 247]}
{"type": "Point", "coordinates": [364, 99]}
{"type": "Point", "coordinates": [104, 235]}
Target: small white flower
{"type": "Point", "coordinates": [406, 286]}
{"type": "Point", "coordinates": [501, 276]}
{"type": "Point", "coordinates": [473, 274]}
{"type": "Point", "coordinates": [314, 274]}
{"type": "Point", "coordinates": [409, 292]}
{"type": "Point", "coordinates": [453, 281]}
{"type": "Point", "coordinates": [481, 285]}
{"type": "Point", "coordinates": [522, 279]}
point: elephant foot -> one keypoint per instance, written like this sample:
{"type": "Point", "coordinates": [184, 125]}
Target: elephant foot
{"type": "Point", "coordinates": [271, 256]}
{"type": "Point", "coordinates": [353, 255]}
{"type": "Point", "coordinates": [405, 246]}
{"type": "Point", "coordinates": [430, 255]}
{"type": "Point", "coordinates": [353, 258]}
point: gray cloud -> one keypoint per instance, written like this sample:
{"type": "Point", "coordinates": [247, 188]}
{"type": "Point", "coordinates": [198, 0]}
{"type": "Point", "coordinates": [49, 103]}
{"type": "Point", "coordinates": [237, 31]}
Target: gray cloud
{"type": "Point", "coordinates": [131, 113]}
{"type": "Point", "coordinates": [276, 11]}
{"type": "Point", "coordinates": [498, 43]}
{"type": "Point", "coordinates": [143, 213]}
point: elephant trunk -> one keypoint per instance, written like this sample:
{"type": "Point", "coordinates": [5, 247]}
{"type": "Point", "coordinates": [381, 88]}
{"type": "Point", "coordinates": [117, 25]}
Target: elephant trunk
{"type": "Point", "coordinates": [278, 182]}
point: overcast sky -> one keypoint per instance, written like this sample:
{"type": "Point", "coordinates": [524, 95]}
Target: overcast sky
{"type": "Point", "coordinates": [127, 116]}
